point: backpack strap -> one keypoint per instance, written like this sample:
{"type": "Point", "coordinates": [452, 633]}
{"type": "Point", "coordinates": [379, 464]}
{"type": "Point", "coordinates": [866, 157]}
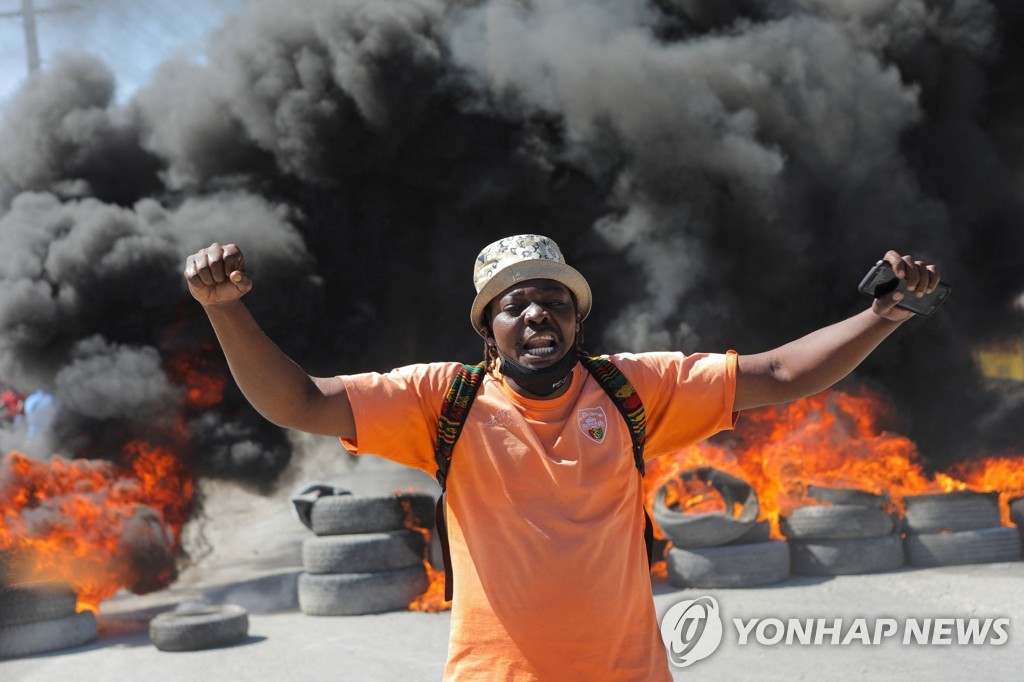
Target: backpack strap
{"type": "Point", "coordinates": [628, 402]}
{"type": "Point", "coordinates": [454, 411]}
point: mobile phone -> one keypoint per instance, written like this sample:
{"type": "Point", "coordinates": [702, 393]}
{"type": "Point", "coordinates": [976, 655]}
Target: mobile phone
{"type": "Point", "coordinates": [881, 280]}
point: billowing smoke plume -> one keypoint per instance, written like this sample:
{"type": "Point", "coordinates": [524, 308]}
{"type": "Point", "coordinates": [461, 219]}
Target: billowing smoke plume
{"type": "Point", "coordinates": [92, 311]}
{"type": "Point", "coordinates": [723, 172]}
{"type": "Point", "coordinates": [60, 134]}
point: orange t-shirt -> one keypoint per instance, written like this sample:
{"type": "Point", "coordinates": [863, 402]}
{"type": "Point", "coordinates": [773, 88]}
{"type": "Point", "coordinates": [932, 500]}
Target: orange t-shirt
{"type": "Point", "coordinates": [545, 509]}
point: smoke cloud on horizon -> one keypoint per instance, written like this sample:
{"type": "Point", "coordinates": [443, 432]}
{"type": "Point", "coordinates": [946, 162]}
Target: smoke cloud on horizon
{"type": "Point", "coordinates": [722, 172]}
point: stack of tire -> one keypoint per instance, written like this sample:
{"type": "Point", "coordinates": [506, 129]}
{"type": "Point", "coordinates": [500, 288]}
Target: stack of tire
{"type": "Point", "coordinates": [720, 549]}
{"type": "Point", "coordinates": [37, 617]}
{"type": "Point", "coordinates": [367, 556]}
{"type": "Point", "coordinates": [962, 527]}
{"type": "Point", "coordinates": [1017, 515]}
{"type": "Point", "coordinates": [850, 534]}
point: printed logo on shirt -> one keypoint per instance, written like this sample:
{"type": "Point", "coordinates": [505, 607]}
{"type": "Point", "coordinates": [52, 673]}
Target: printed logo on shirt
{"type": "Point", "coordinates": [593, 423]}
{"type": "Point", "coordinates": [501, 418]}
{"type": "Point", "coordinates": [691, 630]}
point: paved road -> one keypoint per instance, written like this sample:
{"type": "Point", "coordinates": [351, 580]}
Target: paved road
{"type": "Point", "coordinates": [288, 645]}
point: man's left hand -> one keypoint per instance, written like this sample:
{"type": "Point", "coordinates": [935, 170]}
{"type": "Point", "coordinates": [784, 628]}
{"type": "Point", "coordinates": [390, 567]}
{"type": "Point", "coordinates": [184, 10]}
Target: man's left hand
{"type": "Point", "coordinates": [922, 278]}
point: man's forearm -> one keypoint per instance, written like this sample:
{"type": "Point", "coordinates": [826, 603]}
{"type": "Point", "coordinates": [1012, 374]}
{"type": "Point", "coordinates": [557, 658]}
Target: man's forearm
{"type": "Point", "coordinates": [274, 384]}
{"type": "Point", "coordinates": [811, 363]}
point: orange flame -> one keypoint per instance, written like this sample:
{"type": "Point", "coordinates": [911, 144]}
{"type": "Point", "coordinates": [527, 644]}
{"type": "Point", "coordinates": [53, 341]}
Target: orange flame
{"type": "Point", "coordinates": [94, 524]}
{"type": "Point", "coordinates": [203, 380]}
{"type": "Point", "coordinates": [833, 439]}
{"type": "Point", "coordinates": [432, 600]}
{"type": "Point", "coordinates": [1001, 473]}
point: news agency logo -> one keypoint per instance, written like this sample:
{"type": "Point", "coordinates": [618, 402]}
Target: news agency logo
{"type": "Point", "coordinates": [865, 632]}
{"type": "Point", "coordinates": [691, 630]}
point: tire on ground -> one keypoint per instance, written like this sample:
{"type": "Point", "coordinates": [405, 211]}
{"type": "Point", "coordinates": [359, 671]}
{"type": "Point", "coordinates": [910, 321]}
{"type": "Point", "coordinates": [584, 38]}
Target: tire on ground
{"type": "Point", "coordinates": [1017, 512]}
{"type": "Point", "coordinates": [846, 496]}
{"type": "Point", "coordinates": [740, 565]}
{"type": "Point", "coordinates": [836, 522]}
{"type": "Point", "coordinates": [344, 514]}
{"type": "Point", "coordinates": [981, 546]}
{"type": "Point", "coordinates": [41, 636]}
{"type": "Point", "coordinates": [852, 556]}
{"type": "Point", "coordinates": [352, 594]}
{"type": "Point", "coordinates": [6, 572]}
{"type": "Point", "coordinates": [363, 552]}
{"type": "Point", "coordinates": [203, 627]}
{"type": "Point", "coordinates": [32, 602]}
{"type": "Point", "coordinates": [711, 529]}
{"type": "Point", "coordinates": [956, 511]}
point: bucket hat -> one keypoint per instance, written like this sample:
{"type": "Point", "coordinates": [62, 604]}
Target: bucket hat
{"type": "Point", "coordinates": [519, 258]}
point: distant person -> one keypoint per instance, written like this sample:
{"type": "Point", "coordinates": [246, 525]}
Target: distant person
{"type": "Point", "coordinates": [545, 503]}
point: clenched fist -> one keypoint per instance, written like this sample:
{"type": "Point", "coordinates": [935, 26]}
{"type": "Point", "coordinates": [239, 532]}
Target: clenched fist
{"type": "Point", "coordinates": [216, 275]}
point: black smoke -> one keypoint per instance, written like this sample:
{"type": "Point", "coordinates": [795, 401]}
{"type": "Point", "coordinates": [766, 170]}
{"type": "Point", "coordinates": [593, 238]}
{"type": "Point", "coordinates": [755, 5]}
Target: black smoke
{"type": "Point", "coordinates": [723, 173]}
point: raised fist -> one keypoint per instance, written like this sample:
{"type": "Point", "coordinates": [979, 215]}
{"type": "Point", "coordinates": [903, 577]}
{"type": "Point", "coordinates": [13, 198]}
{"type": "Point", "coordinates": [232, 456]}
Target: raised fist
{"type": "Point", "coordinates": [216, 275]}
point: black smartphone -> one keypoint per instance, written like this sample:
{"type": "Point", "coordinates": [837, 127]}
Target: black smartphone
{"type": "Point", "coordinates": [881, 280]}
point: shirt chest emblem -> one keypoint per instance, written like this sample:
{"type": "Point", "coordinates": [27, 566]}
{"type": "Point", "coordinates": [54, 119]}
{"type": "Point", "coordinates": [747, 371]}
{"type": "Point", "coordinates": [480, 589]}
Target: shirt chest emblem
{"type": "Point", "coordinates": [593, 423]}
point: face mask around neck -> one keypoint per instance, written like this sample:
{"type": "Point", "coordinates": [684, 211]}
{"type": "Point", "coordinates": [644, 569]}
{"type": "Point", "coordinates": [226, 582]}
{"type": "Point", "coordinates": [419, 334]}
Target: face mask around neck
{"type": "Point", "coordinates": [542, 382]}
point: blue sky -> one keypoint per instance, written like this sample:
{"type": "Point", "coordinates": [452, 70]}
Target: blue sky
{"type": "Point", "coordinates": [130, 36]}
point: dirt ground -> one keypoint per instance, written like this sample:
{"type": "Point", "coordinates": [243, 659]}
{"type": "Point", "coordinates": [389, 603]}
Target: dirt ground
{"type": "Point", "coordinates": [247, 551]}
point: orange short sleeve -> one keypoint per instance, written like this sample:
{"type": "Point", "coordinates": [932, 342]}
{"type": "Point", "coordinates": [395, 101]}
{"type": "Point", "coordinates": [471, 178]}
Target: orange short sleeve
{"type": "Point", "coordinates": [687, 397]}
{"type": "Point", "coordinates": [396, 413]}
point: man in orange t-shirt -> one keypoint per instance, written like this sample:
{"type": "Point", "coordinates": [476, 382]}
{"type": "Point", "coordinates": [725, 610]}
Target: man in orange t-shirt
{"type": "Point", "coordinates": [545, 504]}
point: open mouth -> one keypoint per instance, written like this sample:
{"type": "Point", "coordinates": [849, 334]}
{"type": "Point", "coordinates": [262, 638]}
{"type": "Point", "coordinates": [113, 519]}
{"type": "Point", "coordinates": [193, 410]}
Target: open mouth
{"type": "Point", "coordinates": [540, 346]}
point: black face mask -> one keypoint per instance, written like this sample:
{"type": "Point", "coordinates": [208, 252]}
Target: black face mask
{"type": "Point", "coordinates": [543, 381]}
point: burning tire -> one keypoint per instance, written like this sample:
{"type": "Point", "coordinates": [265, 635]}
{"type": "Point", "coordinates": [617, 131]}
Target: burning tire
{"type": "Point", "coordinates": [32, 602]}
{"type": "Point", "coordinates": [759, 532]}
{"type": "Point", "coordinates": [6, 576]}
{"type": "Point", "coordinates": [711, 529]}
{"type": "Point", "coordinates": [52, 634]}
{"type": "Point", "coordinates": [345, 514]}
{"type": "Point", "coordinates": [205, 627]}
{"type": "Point", "coordinates": [852, 556]}
{"type": "Point", "coordinates": [956, 511]}
{"type": "Point", "coordinates": [846, 496]}
{"type": "Point", "coordinates": [352, 594]}
{"type": "Point", "coordinates": [740, 565]}
{"type": "Point", "coordinates": [1017, 512]}
{"type": "Point", "coordinates": [1017, 515]}
{"type": "Point", "coordinates": [836, 522]}
{"type": "Point", "coordinates": [364, 552]}
{"type": "Point", "coordinates": [982, 546]}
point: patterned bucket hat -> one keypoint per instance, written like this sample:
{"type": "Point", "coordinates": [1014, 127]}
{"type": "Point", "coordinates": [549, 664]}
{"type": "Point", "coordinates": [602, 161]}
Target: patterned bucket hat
{"type": "Point", "coordinates": [516, 259]}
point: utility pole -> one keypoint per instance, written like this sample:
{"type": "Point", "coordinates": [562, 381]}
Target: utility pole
{"type": "Point", "coordinates": [28, 14]}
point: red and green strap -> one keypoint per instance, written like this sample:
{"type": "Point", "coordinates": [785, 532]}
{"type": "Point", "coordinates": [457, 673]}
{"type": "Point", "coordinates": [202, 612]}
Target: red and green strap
{"type": "Point", "coordinates": [454, 411]}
